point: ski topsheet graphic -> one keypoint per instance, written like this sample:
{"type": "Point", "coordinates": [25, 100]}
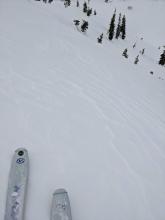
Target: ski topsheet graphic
{"type": "Point", "coordinates": [17, 185]}
{"type": "Point", "coordinates": [61, 209]}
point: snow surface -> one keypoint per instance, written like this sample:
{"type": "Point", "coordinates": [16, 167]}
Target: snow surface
{"type": "Point", "coordinates": [92, 121]}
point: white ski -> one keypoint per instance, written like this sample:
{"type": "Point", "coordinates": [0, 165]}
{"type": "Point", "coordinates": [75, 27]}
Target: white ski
{"type": "Point", "coordinates": [61, 209]}
{"type": "Point", "coordinates": [17, 185]}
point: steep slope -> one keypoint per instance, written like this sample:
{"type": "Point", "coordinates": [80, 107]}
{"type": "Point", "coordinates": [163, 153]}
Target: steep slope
{"type": "Point", "coordinates": [93, 122]}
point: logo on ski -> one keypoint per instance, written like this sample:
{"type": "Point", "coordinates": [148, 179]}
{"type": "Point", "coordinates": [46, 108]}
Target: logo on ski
{"type": "Point", "coordinates": [20, 160]}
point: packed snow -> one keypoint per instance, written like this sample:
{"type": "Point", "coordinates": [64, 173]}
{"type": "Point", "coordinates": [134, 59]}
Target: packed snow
{"type": "Point", "coordinates": [92, 121]}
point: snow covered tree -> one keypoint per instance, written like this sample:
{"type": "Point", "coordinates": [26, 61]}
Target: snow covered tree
{"type": "Point", "coordinates": [84, 26]}
{"type": "Point", "coordinates": [162, 59]}
{"type": "Point", "coordinates": [85, 8]}
{"type": "Point", "coordinates": [118, 27]}
{"type": "Point", "coordinates": [134, 45]}
{"type": "Point", "coordinates": [67, 3]}
{"type": "Point", "coordinates": [142, 51]}
{"type": "Point", "coordinates": [112, 27]}
{"type": "Point", "coordinates": [123, 28]}
{"type": "Point", "coordinates": [125, 53]}
{"type": "Point", "coordinates": [76, 22]}
{"type": "Point", "coordinates": [136, 60]}
{"type": "Point", "coordinates": [89, 11]}
{"type": "Point", "coordinates": [100, 38]}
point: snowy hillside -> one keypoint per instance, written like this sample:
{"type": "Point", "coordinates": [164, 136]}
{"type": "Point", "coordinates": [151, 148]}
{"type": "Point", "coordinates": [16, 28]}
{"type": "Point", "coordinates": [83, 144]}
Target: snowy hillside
{"type": "Point", "coordinates": [92, 121]}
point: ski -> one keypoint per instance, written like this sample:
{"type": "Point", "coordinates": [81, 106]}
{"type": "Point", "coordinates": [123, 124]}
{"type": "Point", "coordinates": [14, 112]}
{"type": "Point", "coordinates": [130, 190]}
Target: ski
{"type": "Point", "coordinates": [61, 209]}
{"type": "Point", "coordinates": [17, 185]}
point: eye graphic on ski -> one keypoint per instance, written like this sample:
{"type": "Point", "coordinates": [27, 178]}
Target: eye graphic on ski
{"type": "Point", "coordinates": [20, 160]}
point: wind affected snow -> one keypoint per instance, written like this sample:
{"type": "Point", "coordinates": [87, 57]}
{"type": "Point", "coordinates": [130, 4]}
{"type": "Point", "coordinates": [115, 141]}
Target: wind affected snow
{"type": "Point", "coordinates": [92, 121]}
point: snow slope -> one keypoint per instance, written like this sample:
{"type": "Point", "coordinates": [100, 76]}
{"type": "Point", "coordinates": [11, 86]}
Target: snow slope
{"type": "Point", "coordinates": [92, 121]}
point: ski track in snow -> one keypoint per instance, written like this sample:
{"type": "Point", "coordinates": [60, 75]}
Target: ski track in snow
{"type": "Point", "coordinates": [104, 100]}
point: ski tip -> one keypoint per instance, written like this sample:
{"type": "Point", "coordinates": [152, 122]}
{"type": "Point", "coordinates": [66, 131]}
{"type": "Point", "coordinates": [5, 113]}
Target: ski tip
{"type": "Point", "coordinates": [21, 156]}
{"type": "Point", "coordinates": [60, 191]}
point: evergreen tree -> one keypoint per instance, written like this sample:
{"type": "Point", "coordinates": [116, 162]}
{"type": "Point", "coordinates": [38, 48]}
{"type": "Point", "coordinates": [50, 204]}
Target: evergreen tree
{"type": "Point", "coordinates": [118, 27]}
{"type": "Point", "coordinates": [123, 28]}
{"type": "Point", "coordinates": [100, 38]}
{"type": "Point", "coordinates": [142, 51]}
{"type": "Point", "coordinates": [95, 13]}
{"type": "Point", "coordinates": [85, 8]}
{"type": "Point", "coordinates": [50, 1]}
{"type": "Point", "coordinates": [89, 11]}
{"type": "Point", "coordinates": [134, 45]}
{"type": "Point", "coordinates": [162, 59]}
{"type": "Point", "coordinates": [84, 26]}
{"type": "Point", "coordinates": [76, 22]}
{"type": "Point", "coordinates": [136, 60]}
{"type": "Point", "coordinates": [125, 53]}
{"type": "Point", "coordinates": [112, 27]}
{"type": "Point", "coordinates": [77, 3]}
{"type": "Point", "coordinates": [67, 3]}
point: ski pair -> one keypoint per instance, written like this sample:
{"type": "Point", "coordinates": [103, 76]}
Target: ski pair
{"type": "Point", "coordinates": [17, 188]}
